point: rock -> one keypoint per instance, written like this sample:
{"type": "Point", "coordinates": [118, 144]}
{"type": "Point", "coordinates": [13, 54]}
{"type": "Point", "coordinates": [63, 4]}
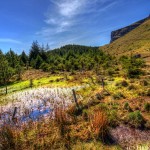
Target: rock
{"type": "Point", "coordinates": [123, 31]}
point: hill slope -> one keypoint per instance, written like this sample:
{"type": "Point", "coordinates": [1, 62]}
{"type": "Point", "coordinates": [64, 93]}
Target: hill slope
{"type": "Point", "coordinates": [135, 42]}
{"type": "Point", "coordinates": [123, 31]}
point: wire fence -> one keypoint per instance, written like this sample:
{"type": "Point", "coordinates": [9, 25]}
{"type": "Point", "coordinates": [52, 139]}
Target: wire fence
{"type": "Point", "coordinates": [12, 89]}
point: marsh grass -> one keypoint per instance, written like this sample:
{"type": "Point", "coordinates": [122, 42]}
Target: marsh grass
{"type": "Point", "coordinates": [99, 125]}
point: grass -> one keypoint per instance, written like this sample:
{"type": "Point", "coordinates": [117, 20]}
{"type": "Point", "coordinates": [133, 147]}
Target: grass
{"type": "Point", "coordinates": [99, 125]}
{"type": "Point", "coordinates": [52, 81]}
{"type": "Point", "coordinates": [63, 133]}
{"type": "Point", "coordinates": [136, 119]}
{"type": "Point", "coordinates": [89, 128]}
{"type": "Point", "coordinates": [136, 41]}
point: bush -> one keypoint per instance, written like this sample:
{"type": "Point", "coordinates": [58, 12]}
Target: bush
{"type": "Point", "coordinates": [110, 71]}
{"type": "Point", "coordinates": [103, 106]}
{"type": "Point", "coordinates": [99, 96]}
{"type": "Point", "coordinates": [85, 115]}
{"type": "Point", "coordinates": [92, 102]}
{"type": "Point", "coordinates": [118, 95]}
{"type": "Point", "coordinates": [127, 106]}
{"type": "Point", "coordinates": [7, 138]}
{"type": "Point", "coordinates": [136, 119]}
{"type": "Point", "coordinates": [144, 93]}
{"type": "Point", "coordinates": [133, 72]}
{"type": "Point", "coordinates": [44, 66]}
{"type": "Point", "coordinates": [144, 83]}
{"type": "Point", "coordinates": [113, 118]}
{"type": "Point", "coordinates": [74, 110]}
{"type": "Point", "coordinates": [147, 107]}
{"type": "Point", "coordinates": [132, 66]}
{"type": "Point", "coordinates": [124, 83]}
{"type": "Point", "coordinates": [148, 92]}
{"type": "Point", "coordinates": [131, 87]}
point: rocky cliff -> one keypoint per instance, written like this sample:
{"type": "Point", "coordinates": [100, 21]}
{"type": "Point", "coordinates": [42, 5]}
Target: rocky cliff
{"type": "Point", "coordinates": [121, 32]}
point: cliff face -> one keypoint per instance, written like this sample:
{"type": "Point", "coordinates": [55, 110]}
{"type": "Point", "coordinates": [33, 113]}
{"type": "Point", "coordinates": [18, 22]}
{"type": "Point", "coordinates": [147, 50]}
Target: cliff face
{"type": "Point", "coordinates": [121, 32]}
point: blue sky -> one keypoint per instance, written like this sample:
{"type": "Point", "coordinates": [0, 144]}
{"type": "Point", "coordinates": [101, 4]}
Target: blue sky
{"type": "Point", "coordinates": [61, 22]}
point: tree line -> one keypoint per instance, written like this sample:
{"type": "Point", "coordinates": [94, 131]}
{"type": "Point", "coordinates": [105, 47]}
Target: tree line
{"type": "Point", "coordinates": [69, 58]}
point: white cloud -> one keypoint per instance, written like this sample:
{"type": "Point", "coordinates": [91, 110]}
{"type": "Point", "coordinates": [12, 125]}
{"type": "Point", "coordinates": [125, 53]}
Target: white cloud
{"type": "Point", "coordinates": [8, 40]}
{"type": "Point", "coordinates": [69, 8]}
{"type": "Point", "coordinates": [63, 14]}
{"type": "Point", "coordinates": [71, 17]}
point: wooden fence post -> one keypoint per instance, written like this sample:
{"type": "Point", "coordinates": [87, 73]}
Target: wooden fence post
{"type": "Point", "coordinates": [75, 98]}
{"type": "Point", "coordinates": [103, 84]}
{"type": "Point", "coordinates": [15, 111]}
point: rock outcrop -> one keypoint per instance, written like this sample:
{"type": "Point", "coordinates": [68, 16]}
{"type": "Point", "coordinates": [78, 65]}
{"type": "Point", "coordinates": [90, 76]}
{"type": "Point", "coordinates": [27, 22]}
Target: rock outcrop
{"type": "Point", "coordinates": [121, 32]}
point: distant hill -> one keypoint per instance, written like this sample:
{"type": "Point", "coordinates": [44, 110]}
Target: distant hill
{"type": "Point", "coordinates": [73, 48]}
{"type": "Point", "coordinates": [136, 41]}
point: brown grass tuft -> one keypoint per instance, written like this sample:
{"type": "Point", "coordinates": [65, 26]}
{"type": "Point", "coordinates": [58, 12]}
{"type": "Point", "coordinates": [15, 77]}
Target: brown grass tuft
{"type": "Point", "coordinates": [99, 125]}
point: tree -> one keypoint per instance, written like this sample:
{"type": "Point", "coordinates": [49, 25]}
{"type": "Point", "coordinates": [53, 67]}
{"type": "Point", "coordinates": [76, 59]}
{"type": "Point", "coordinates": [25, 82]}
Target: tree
{"type": "Point", "coordinates": [38, 62]}
{"type": "Point", "coordinates": [12, 58]}
{"type": "Point", "coordinates": [6, 72]}
{"type": "Point", "coordinates": [19, 70]}
{"type": "Point", "coordinates": [132, 66]}
{"type": "Point", "coordinates": [24, 58]}
{"type": "Point", "coordinates": [34, 51]}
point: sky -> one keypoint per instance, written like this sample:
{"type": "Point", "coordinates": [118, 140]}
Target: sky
{"type": "Point", "coordinates": [61, 22]}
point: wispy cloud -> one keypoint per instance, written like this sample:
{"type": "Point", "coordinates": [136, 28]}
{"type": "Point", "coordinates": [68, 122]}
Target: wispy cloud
{"type": "Point", "coordinates": [67, 19]}
{"type": "Point", "coordinates": [8, 40]}
{"type": "Point", "coordinates": [62, 16]}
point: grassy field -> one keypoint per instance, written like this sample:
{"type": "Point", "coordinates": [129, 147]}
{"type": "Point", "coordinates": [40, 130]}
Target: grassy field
{"type": "Point", "coordinates": [49, 81]}
{"type": "Point", "coordinates": [123, 105]}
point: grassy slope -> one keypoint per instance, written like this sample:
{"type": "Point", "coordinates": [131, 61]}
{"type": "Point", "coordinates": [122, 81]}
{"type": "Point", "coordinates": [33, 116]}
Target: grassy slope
{"type": "Point", "coordinates": [136, 42]}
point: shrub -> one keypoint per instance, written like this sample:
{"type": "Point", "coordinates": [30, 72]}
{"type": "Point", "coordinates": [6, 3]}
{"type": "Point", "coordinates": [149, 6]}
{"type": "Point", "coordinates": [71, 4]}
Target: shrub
{"type": "Point", "coordinates": [132, 66]}
{"type": "Point", "coordinates": [110, 71]}
{"type": "Point", "coordinates": [99, 96]}
{"type": "Point", "coordinates": [126, 106]}
{"type": "Point", "coordinates": [148, 92]}
{"type": "Point", "coordinates": [92, 102]}
{"type": "Point", "coordinates": [133, 72]}
{"type": "Point", "coordinates": [118, 95]}
{"type": "Point", "coordinates": [61, 119]}
{"type": "Point", "coordinates": [144, 93]}
{"type": "Point", "coordinates": [103, 106]}
{"type": "Point", "coordinates": [131, 87]}
{"type": "Point", "coordinates": [144, 83]}
{"type": "Point", "coordinates": [136, 119]}
{"type": "Point", "coordinates": [147, 107]}
{"type": "Point", "coordinates": [7, 138]}
{"type": "Point", "coordinates": [85, 114]}
{"type": "Point", "coordinates": [124, 83]}
{"type": "Point", "coordinates": [113, 118]}
{"type": "Point", "coordinates": [74, 110]}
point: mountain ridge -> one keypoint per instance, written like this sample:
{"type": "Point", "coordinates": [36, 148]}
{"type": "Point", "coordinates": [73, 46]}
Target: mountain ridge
{"type": "Point", "coordinates": [135, 42]}
{"type": "Point", "coordinates": [123, 31]}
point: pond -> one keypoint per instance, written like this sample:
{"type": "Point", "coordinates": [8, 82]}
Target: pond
{"type": "Point", "coordinates": [32, 104]}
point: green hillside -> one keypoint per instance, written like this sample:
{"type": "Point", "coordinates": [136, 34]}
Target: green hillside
{"type": "Point", "coordinates": [135, 42]}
